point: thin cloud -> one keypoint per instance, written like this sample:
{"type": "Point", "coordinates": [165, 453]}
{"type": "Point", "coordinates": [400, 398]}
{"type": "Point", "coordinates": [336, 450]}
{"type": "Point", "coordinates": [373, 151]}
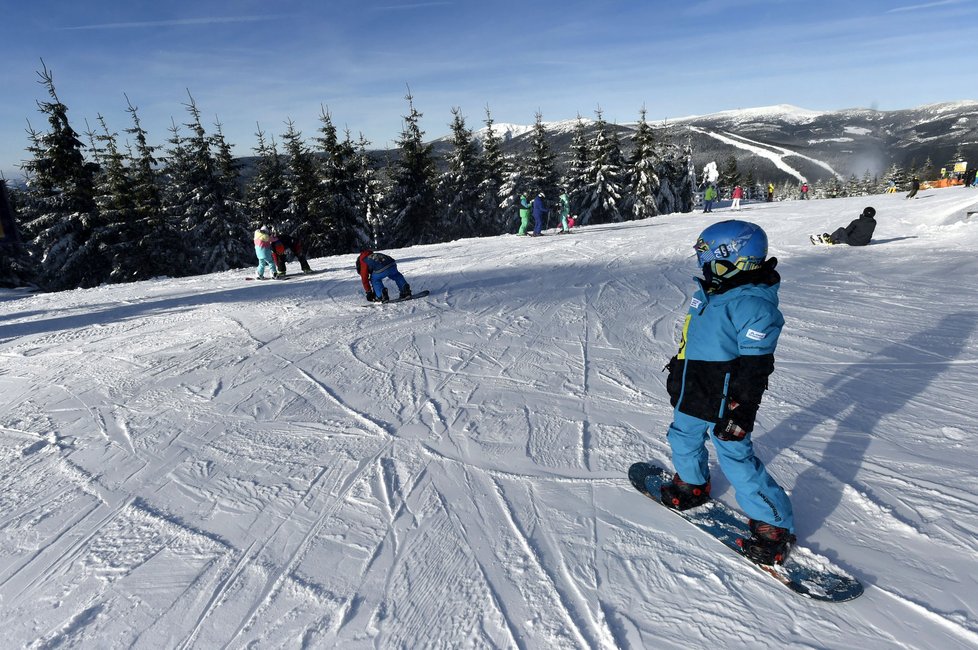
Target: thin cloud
{"type": "Point", "coordinates": [175, 23]}
{"type": "Point", "coordinates": [929, 5]}
{"type": "Point", "coordinates": [416, 5]}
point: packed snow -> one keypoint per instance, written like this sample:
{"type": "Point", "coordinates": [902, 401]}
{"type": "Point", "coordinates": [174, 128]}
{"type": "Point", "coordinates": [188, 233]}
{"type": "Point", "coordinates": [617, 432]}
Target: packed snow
{"type": "Point", "coordinates": [208, 462]}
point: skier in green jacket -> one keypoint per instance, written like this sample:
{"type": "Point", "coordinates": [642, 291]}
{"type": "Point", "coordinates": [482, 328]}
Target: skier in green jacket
{"type": "Point", "coordinates": [564, 211]}
{"type": "Point", "coordinates": [524, 215]}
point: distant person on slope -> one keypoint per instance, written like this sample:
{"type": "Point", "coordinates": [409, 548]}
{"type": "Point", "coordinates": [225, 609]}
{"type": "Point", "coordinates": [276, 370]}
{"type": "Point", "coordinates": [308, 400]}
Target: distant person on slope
{"type": "Point", "coordinates": [709, 197]}
{"type": "Point", "coordinates": [283, 243]}
{"type": "Point", "coordinates": [716, 381]}
{"type": "Point", "coordinates": [539, 210]}
{"type": "Point", "coordinates": [738, 193]}
{"type": "Point", "coordinates": [263, 250]}
{"type": "Point", "coordinates": [859, 232]}
{"type": "Point", "coordinates": [373, 269]}
{"type": "Point", "coordinates": [914, 188]}
{"type": "Point", "coordinates": [524, 215]}
{"type": "Point", "coordinates": [564, 212]}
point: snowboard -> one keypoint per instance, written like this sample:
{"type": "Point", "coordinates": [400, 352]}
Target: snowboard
{"type": "Point", "coordinates": [818, 240]}
{"type": "Point", "coordinates": [419, 294]}
{"type": "Point", "coordinates": [284, 277]}
{"type": "Point", "coordinates": [804, 572]}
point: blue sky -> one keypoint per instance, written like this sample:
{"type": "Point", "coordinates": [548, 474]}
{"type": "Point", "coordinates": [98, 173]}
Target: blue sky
{"type": "Point", "coordinates": [250, 62]}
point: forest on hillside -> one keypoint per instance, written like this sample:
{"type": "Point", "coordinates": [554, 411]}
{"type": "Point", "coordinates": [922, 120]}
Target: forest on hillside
{"type": "Point", "coordinates": [103, 207]}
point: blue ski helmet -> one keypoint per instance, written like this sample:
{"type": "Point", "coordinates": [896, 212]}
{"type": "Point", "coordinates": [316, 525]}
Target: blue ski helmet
{"type": "Point", "coordinates": [729, 247]}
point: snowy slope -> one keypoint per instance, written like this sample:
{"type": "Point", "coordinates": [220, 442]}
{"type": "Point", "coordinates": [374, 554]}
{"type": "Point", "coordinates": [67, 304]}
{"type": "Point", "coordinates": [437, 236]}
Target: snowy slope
{"type": "Point", "coordinates": [209, 463]}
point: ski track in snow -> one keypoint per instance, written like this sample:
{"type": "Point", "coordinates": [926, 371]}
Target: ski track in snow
{"type": "Point", "coordinates": [204, 462]}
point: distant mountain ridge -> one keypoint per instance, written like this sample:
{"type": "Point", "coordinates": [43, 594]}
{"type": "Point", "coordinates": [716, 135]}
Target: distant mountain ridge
{"type": "Point", "coordinates": [787, 142]}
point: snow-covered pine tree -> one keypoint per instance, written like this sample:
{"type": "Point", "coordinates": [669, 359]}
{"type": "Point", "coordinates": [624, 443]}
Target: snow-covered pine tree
{"type": "Point", "coordinates": [59, 207]}
{"type": "Point", "coordinates": [641, 178]}
{"type": "Point", "coordinates": [409, 208]}
{"type": "Point", "coordinates": [457, 191]}
{"type": "Point", "coordinates": [303, 182]}
{"type": "Point", "coordinates": [729, 176]}
{"type": "Point", "coordinates": [338, 209]}
{"type": "Point", "coordinates": [115, 235]}
{"type": "Point", "coordinates": [514, 185]}
{"type": "Point", "coordinates": [158, 248]}
{"type": "Point", "coordinates": [213, 220]}
{"type": "Point", "coordinates": [603, 192]}
{"type": "Point", "coordinates": [366, 197]}
{"type": "Point", "coordinates": [266, 195]}
{"type": "Point", "coordinates": [496, 218]}
{"type": "Point", "coordinates": [575, 181]}
{"type": "Point", "coordinates": [540, 170]}
{"type": "Point", "coordinates": [896, 175]}
{"type": "Point", "coordinates": [677, 179]}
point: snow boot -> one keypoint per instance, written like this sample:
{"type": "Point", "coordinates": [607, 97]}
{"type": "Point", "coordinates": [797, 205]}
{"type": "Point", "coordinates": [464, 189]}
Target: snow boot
{"type": "Point", "coordinates": [768, 544]}
{"type": "Point", "coordinates": [680, 495]}
{"type": "Point", "coordinates": [405, 292]}
{"type": "Point", "coordinates": [384, 297]}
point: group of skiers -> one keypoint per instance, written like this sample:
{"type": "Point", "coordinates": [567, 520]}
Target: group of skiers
{"type": "Point", "coordinates": [539, 210]}
{"type": "Point", "coordinates": [271, 247]}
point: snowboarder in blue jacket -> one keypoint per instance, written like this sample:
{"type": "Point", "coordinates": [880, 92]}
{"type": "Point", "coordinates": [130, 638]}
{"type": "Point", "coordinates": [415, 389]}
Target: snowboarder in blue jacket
{"type": "Point", "coordinates": [539, 212]}
{"type": "Point", "coordinates": [716, 381]}
{"type": "Point", "coordinates": [373, 268]}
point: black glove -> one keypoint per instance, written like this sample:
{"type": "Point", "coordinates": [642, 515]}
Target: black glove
{"type": "Point", "coordinates": [735, 424]}
{"type": "Point", "coordinates": [371, 297]}
{"type": "Point", "coordinates": [674, 380]}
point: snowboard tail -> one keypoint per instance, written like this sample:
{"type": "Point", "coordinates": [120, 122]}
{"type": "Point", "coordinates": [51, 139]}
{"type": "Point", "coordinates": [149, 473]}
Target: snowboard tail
{"type": "Point", "coordinates": [804, 572]}
{"type": "Point", "coordinates": [418, 294]}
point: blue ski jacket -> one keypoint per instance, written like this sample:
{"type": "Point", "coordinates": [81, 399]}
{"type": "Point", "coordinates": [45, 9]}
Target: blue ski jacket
{"type": "Point", "coordinates": [727, 351]}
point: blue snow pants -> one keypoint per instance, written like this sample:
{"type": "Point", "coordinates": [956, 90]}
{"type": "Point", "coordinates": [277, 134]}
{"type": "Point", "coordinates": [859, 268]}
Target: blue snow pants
{"type": "Point", "coordinates": [758, 495]}
{"type": "Point", "coordinates": [377, 279]}
{"type": "Point", "coordinates": [264, 259]}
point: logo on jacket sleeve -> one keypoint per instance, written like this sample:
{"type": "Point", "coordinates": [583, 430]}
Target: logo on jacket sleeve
{"type": "Point", "coordinates": [754, 335]}
{"type": "Point", "coordinates": [695, 303]}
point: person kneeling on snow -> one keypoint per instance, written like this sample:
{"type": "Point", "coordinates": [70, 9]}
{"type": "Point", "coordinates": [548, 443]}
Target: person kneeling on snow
{"type": "Point", "coordinates": [859, 232]}
{"type": "Point", "coordinates": [716, 381]}
{"type": "Point", "coordinates": [283, 243]}
{"type": "Point", "coordinates": [373, 268]}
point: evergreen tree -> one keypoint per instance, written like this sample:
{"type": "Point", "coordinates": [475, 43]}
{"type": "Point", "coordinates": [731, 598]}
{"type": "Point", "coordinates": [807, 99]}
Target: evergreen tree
{"type": "Point", "coordinates": [409, 205]}
{"type": "Point", "coordinates": [642, 180]}
{"type": "Point", "coordinates": [604, 177]}
{"type": "Point", "coordinates": [458, 191]}
{"type": "Point", "coordinates": [514, 185]}
{"type": "Point", "coordinates": [59, 212]}
{"type": "Point", "coordinates": [495, 169]}
{"type": "Point", "coordinates": [576, 179]}
{"type": "Point", "coordinates": [367, 199]}
{"type": "Point", "coordinates": [199, 195]}
{"type": "Point", "coordinates": [157, 247]}
{"type": "Point", "coordinates": [267, 196]}
{"type": "Point", "coordinates": [338, 201]}
{"type": "Point", "coordinates": [16, 269]}
{"type": "Point", "coordinates": [729, 175]}
{"type": "Point", "coordinates": [540, 171]}
{"type": "Point", "coordinates": [677, 179]}
{"type": "Point", "coordinates": [896, 175]}
{"type": "Point", "coordinates": [302, 181]}
{"type": "Point", "coordinates": [113, 239]}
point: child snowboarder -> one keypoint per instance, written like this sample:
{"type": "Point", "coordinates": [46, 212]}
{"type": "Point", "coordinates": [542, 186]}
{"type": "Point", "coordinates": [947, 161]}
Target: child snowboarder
{"type": "Point", "coordinates": [282, 242]}
{"type": "Point", "coordinates": [373, 268]}
{"type": "Point", "coordinates": [716, 381]}
{"type": "Point", "coordinates": [859, 232]}
{"type": "Point", "coordinates": [263, 250]}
